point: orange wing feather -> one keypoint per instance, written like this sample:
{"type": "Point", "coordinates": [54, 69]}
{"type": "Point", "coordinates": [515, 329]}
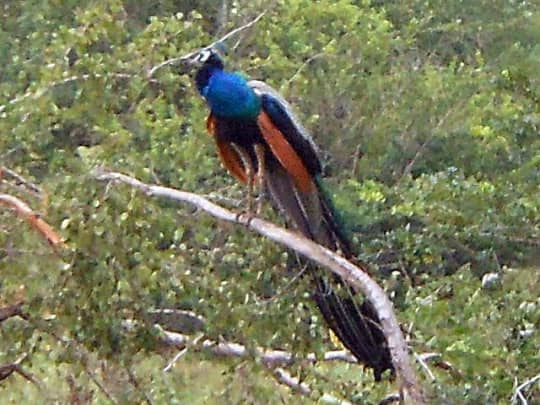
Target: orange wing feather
{"type": "Point", "coordinates": [285, 153]}
{"type": "Point", "coordinates": [232, 161]}
{"type": "Point", "coordinates": [229, 157]}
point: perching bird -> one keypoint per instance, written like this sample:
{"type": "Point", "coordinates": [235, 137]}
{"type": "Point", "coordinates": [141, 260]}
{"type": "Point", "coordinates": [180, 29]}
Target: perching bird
{"type": "Point", "coordinates": [261, 142]}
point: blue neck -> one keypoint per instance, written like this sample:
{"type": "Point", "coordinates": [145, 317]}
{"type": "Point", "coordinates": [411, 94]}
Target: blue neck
{"type": "Point", "coordinates": [227, 93]}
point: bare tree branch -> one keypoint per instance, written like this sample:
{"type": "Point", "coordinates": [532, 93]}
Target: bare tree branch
{"type": "Point", "coordinates": [20, 180]}
{"type": "Point", "coordinates": [11, 311]}
{"type": "Point", "coordinates": [267, 356]}
{"type": "Point", "coordinates": [284, 377]}
{"type": "Point", "coordinates": [270, 358]}
{"type": "Point", "coordinates": [518, 393]}
{"type": "Point", "coordinates": [25, 212]}
{"type": "Point", "coordinates": [7, 369]}
{"type": "Point", "coordinates": [225, 37]}
{"type": "Point", "coordinates": [276, 358]}
{"type": "Point", "coordinates": [178, 334]}
{"type": "Point", "coordinates": [313, 251]}
{"type": "Point", "coordinates": [92, 375]}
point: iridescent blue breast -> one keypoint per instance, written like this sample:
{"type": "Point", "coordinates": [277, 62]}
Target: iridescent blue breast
{"type": "Point", "coordinates": [230, 96]}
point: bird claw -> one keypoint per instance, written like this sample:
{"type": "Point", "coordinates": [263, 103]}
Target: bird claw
{"type": "Point", "coordinates": [248, 215]}
{"type": "Point", "coordinates": [245, 217]}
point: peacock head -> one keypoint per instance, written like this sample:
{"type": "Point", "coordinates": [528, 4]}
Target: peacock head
{"type": "Point", "coordinates": [207, 56]}
{"type": "Point", "coordinates": [208, 61]}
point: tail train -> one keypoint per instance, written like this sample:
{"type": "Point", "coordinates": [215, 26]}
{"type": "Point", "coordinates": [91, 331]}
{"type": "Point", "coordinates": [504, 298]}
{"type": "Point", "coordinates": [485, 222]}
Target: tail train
{"type": "Point", "coordinates": [313, 214]}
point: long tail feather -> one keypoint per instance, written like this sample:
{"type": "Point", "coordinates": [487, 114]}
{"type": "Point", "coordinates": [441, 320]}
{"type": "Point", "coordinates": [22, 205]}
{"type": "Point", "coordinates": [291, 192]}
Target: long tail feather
{"type": "Point", "coordinates": [313, 214]}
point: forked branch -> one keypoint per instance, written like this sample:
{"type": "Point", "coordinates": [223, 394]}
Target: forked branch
{"type": "Point", "coordinates": [313, 251]}
{"type": "Point", "coordinates": [8, 369]}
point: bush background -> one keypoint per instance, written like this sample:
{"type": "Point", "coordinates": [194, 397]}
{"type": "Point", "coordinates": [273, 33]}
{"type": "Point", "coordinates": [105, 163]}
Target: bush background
{"type": "Point", "coordinates": [428, 115]}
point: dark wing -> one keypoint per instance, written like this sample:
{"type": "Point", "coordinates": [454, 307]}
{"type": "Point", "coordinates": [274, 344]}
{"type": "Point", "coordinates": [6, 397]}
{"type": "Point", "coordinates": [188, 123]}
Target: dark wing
{"type": "Point", "coordinates": [285, 153]}
{"type": "Point", "coordinates": [281, 115]}
{"type": "Point", "coordinates": [293, 180]}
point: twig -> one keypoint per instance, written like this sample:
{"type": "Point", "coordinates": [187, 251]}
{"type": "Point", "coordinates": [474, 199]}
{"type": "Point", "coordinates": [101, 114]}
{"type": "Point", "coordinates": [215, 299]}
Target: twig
{"type": "Point", "coordinates": [133, 380]}
{"type": "Point", "coordinates": [81, 353]}
{"type": "Point", "coordinates": [239, 29]}
{"type": "Point", "coordinates": [187, 343]}
{"type": "Point", "coordinates": [518, 392]}
{"type": "Point", "coordinates": [225, 37]}
{"type": "Point", "coordinates": [287, 286]}
{"type": "Point", "coordinates": [5, 172]}
{"type": "Point", "coordinates": [100, 386]}
{"type": "Point", "coordinates": [4, 155]}
{"type": "Point", "coordinates": [428, 371]}
{"type": "Point", "coordinates": [356, 158]}
{"type": "Point", "coordinates": [12, 252]}
{"type": "Point", "coordinates": [222, 15]}
{"type": "Point", "coordinates": [7, 369]}
{"type": "Point", "coordinates": [436, 358]}
{"type": "Point", "coordinates": [352, 274]}
{"type": "Point", "coordinates": [25, 212]}
{"type": "Point", "coordinates": [178, 355]}
{"type": "Point", "coordinates": [78, 394]}
{"type": "Point", "coordinates": [303, 66]}
{"type": "Point", "coordinates": [420, 151]}
{"type": "Point", "coordinates": [417, 155]}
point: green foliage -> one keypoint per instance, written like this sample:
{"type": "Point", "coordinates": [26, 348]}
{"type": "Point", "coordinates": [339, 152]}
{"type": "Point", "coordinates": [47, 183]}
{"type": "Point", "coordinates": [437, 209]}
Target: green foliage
{"type": "Point", "coordinates": [428, 116]}
{"type": "Point", "coordinates": [434, 224]}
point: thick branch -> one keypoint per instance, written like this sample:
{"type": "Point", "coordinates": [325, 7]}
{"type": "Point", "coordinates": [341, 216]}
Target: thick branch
{"type": "Point", "coordinates": [317, 253]}
{"type": "Point", "coordinates": [272, 359]}
{"type": "Point", "coordinates": [267, 356]}
{"type": "Point", "coordinates": [25, 212]}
